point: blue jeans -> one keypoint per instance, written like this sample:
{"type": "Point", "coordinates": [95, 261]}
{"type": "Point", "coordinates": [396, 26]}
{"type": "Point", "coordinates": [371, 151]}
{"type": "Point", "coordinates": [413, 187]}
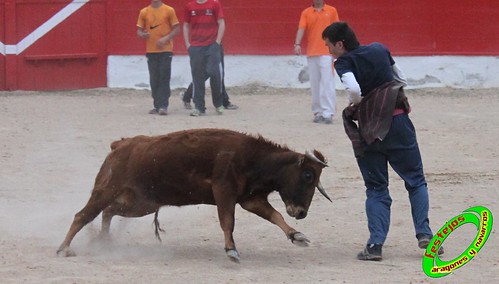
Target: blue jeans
{"type": "Point", "coordinates": [160, 68]}
{"type": "Point", "coordinates": [400, 149]}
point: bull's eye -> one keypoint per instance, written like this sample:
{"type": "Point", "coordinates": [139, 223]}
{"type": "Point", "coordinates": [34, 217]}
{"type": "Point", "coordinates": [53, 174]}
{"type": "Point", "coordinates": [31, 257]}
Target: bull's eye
{"type": "Point", "coordinates": [308, 176]}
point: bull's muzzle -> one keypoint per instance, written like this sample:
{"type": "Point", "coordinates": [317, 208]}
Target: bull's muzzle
{"type": "Point", "coordinates": [296, 212]}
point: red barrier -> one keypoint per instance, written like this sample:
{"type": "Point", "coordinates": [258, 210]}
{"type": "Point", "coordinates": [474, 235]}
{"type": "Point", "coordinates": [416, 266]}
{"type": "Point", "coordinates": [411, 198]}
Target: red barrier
{"type": "Point", "coordinates": [408, 27]}
{"type": "Point", "coordinates": [54, 45]}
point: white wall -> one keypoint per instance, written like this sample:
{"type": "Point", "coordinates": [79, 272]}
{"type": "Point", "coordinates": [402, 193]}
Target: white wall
{"type": "Point", "coordinates": [287, 71]}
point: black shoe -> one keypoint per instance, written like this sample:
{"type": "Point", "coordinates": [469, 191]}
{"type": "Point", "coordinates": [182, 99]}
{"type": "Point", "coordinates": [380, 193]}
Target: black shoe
{"type": "Point", "coordinates": [371, 252]}
{"type": "Point", "coordinates": [318, 119]}
{"type": "Point", "coordinates": [230, 106]}
{"type": "Point", "coordinates": [187, 104]}
{"type": "Point", "coordinates": [162, 111]}
{"type": "Point", "coordinates": [424, 241]}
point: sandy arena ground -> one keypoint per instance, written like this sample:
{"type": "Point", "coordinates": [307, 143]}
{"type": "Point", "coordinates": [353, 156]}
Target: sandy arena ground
{"type": "Point", "coordinates": [53, 143]}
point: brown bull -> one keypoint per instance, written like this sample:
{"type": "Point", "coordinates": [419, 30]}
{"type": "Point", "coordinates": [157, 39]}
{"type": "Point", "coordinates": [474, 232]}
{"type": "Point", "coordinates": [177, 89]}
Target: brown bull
{"type": "Point", "coordinates": [203, 166]}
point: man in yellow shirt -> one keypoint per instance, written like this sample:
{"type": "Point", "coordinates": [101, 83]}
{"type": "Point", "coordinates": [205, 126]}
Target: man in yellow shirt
{"type": "Point", "coordinates": [313, 21]}
{"type": "Point", "coordinates": [158, 24]}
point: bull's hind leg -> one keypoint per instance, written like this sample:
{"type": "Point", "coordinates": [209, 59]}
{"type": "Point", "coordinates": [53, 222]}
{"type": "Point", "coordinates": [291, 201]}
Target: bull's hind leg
{"type": "Point", "coordinates": [95, 205]}
{"type": "Point", "coordinates": [128, 205]}
{"type": "Point", "coordinates": [107, 216]}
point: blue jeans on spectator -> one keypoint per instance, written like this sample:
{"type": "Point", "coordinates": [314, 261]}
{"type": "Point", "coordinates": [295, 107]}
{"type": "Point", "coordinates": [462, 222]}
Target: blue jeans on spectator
{"type": "Point", "coordinates": [400, 149]}
{"type": "Point", "coordinates": [160, 68]}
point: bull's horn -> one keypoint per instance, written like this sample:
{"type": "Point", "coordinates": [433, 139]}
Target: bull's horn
{"type": "Point", "coordinates": [312, 157]}
{"type": "Point", "coordinates": [323, 192]}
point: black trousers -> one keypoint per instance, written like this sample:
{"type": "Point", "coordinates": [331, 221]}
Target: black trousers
{"type": "Point", "coordinates": [187, 97]}
{"type": "Point", "coordinates": [160, 68]}
{"type": "Point", "coordinates": [206, 63]}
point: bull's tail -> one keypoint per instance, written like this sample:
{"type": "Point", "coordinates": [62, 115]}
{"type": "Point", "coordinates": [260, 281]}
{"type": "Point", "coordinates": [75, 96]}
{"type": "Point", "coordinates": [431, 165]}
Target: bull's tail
{"type": "Point", "coordinates": [157, 228]}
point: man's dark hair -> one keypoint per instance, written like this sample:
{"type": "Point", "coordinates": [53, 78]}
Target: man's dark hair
{"type": "Point", "coordinates": [341, 31]}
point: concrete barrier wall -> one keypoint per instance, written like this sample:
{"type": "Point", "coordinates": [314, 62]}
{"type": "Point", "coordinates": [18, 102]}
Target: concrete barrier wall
{"type": "Point", "coordinates": [284, 71]}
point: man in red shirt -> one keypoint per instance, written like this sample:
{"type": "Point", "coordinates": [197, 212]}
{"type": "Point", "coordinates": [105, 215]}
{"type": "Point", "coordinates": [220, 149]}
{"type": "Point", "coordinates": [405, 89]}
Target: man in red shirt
{"type": "Point", "coordinates": [204, 27]}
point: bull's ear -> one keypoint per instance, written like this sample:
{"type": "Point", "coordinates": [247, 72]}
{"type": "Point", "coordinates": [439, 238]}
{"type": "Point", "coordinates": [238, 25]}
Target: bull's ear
{"type": "Point", "coordinates": [314, 157]}
{"type": "Point", "coordinates": [301, 159]}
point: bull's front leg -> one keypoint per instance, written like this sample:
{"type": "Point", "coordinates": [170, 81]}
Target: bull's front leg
{"type": "Point", "coordinates": [226, 217]}
{"type": "Point", "coordinates": [226, 207]}
{"type": "Point", "coordinates": [225, 193]}
{"type": "Point", "coordinates": [261, 207]}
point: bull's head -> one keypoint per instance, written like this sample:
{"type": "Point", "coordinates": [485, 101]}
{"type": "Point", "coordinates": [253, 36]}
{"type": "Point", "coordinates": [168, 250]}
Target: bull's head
{"type": "Point", "coordinates": [298, 182]}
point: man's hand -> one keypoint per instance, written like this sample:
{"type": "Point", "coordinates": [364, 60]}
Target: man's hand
{"type": "Point", "coordinates": [162, 42]}
{"type": "Point", "coordinates": [143, 34]}
{"type": "Point", "coordinates": [297, 49]}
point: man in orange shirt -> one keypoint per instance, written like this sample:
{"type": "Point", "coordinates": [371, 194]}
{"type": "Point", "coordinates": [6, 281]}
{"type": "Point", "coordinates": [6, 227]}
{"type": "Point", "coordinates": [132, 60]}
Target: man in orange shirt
{"type": "Point", "coordinates": [158, 24]}
{"type": "Point", "coordinates": [313, 21]}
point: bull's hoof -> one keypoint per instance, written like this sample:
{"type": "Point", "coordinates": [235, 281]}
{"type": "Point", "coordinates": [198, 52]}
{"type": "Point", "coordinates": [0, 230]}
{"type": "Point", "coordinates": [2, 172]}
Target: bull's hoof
{"type": "Point", "coordinates": [103, 237]}
{"type": "Point", "coordinates": [66, 252]}
{"type": "Point", "coordinates": [233, 255]}
{"type": "Point", "coordinates": [299, 239]}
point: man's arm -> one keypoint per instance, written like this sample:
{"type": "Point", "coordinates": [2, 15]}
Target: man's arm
{"type": "Point", "coordinates": [221, 30]}
{"type": "Point", "coordinates": [352, 87]}
{"type": "Point", "coordinates": [299, 37]}
{"type": "Point", "coordinates": [186, 34]}
{"type": "Point", "coordinates": [142, 33]}
{"type": "Point", "coordinates": [398, 75]}
{"type": "Point", "coordinates": [162, 41]}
